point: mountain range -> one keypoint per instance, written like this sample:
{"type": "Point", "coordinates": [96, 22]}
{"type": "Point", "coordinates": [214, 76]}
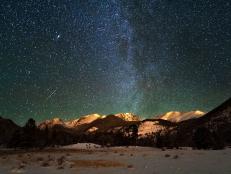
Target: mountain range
{"type": "Point", "coordinates": [172, 129]}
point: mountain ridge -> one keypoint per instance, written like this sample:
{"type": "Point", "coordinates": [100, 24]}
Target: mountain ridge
{"type": "Point", "coordinates": [124, 129]}
{"type": "Point", "coordinates": [176, 116]}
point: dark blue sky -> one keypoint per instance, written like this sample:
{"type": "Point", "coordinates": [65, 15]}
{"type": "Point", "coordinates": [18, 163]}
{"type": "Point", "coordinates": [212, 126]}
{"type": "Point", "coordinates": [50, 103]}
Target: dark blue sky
{"type": "Point", "coordinates": [70, 58]}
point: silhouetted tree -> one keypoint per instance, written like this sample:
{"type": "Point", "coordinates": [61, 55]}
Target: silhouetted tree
{"type": "Point", "coordinates": [29, 136]}
{"type": "Point", "coordinates": [132, 132]}
{"type": "Point", "coordinates": [30, 125]}
{"type": "Point", "coordinates": [46, 136]}
{"type": "Point", "coordinates": [159, 140]}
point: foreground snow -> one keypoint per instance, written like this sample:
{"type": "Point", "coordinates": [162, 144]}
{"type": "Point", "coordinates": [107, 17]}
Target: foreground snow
{"type": "Point", "coordinates": [85, 158]}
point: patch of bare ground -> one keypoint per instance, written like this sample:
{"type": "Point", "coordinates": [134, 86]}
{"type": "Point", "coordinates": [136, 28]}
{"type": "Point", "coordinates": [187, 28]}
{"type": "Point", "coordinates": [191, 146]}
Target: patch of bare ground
{"type": "Point", "coordinates": [45, 164]}
{"type": "Point", "coordinates": [167, 155]}
{"type": "Point", "coordinates": [4, 157]}
{"type": "Point", "coordinates": [130, 166]}
{"type": "Point", "coordinates": [175, 156]}
{"type": "Point", "coordinates": [97, 163]}
{"type": "Point", "coordinates": [39, 159]}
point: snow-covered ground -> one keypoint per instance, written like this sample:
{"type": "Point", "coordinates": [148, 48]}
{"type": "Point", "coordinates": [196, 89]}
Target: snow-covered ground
{"type": "Point", "coordinates": [85, 158]}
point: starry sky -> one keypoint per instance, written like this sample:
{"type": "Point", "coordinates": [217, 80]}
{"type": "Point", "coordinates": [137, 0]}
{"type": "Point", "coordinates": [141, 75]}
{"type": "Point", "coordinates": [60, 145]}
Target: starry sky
{"type": "Point", "coordinates": [69, 58]}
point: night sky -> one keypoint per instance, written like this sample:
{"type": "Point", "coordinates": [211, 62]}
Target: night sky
{"type": "Point", "coordinates": [70, 58]}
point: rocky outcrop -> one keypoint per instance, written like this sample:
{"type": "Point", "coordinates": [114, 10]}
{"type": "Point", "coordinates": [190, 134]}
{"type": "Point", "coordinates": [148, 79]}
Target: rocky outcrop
{"type": "Point", "coordinates": [152, 126]}
{"type": "Point", "coordinates": [128, 116]}
{"type": "Point", "coordinates": [51, 123]}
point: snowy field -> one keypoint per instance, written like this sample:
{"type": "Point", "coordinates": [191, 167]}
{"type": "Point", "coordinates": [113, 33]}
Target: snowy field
{"type": "Point", "coordinates": [84, 158]}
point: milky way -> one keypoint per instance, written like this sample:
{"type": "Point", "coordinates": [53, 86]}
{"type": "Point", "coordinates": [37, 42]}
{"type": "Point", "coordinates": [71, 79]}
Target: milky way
{"type": "Point", "coordinates": [71, 58]}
